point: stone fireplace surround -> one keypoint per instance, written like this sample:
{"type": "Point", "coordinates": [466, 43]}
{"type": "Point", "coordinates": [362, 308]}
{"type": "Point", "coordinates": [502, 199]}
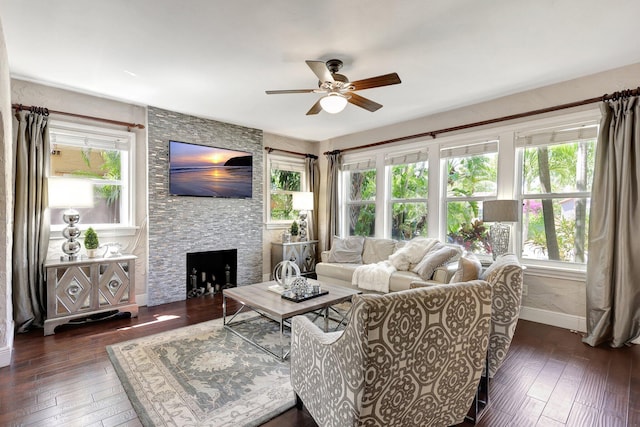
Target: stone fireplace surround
{"type": "Point", "coordinates": [179, 225]}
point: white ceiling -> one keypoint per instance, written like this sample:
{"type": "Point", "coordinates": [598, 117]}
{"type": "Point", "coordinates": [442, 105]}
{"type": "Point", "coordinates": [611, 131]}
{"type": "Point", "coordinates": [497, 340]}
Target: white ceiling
{"type": "Point", "coordinates": [215, 59]}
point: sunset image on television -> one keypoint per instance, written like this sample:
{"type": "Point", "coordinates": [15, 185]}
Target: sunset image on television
{"type": "Point", "coordinates": [198, 170]}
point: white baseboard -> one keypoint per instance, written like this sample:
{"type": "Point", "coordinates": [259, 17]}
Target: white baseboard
{"type": "Point", "coordinates": [141, 300]}
{"type": "Point", "coordinates": [5, 356]}
{"type": "Point", "coordinates": [554, 318]}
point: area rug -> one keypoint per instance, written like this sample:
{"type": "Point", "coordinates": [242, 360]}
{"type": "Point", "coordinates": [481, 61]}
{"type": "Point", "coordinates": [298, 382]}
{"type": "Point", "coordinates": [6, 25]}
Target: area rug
{"type": "Point", "coordinates": [204, 375]}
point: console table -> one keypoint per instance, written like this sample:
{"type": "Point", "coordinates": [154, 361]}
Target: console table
{"type": "Point", "coordinates": [302, 253]}
{"type": "Point", "coordinates": [86, 287]}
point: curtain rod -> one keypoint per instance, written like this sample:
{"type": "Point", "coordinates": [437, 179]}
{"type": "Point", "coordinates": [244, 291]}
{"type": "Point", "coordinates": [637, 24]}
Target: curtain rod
{"type": "Point", "coordinates": [434, 133]}
{"type": "Point", "coordinates": [294, 153]}
{"type": "Point", "coordinates": [46, 111]}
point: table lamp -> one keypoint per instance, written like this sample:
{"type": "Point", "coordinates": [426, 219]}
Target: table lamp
{"type": "Point", "coordinates": [303, 202]}
{"type": "Point", "coordinates": [499, 211]}
{"type": "Point", "coordinates": [69, 194]}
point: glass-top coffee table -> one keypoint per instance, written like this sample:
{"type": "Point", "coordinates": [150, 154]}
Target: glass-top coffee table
{"type": "Point", "coordinates": [271, 305]}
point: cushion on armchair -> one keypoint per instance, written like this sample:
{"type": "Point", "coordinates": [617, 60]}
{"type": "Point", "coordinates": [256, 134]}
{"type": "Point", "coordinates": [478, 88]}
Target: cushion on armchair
{"type": "Point", "coordinates": [469, 268]}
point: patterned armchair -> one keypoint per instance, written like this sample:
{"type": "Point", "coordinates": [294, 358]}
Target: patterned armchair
{"type": "Point", "coordinates": [406, 358]}
{"type": "Point", "coordinates": [505, 277]}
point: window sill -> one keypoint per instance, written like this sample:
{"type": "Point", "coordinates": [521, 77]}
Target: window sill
{"type": "Point", "coordinates": [278, 225]}
{"type": "Point", "coordinates": [555, 272]}
{"type": "Point", "coordinates": [56, 232]}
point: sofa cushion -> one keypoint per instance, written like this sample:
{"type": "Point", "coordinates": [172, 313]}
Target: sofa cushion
{"type": "Point", "coordinates": [469, 268]}
{"type": "Point", "coordinates": [347, 250]}
{"type": "Point", "coordinates": [434, 259]}
{"type": "Point", "coordinates": [376, 250]}
{"type": "Point", "coordinates": [331, 271]}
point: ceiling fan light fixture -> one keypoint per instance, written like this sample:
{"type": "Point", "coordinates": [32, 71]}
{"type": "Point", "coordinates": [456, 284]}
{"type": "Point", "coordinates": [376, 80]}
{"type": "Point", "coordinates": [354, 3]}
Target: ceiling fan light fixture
{"type": "Point", "coordinates": [333, 103]}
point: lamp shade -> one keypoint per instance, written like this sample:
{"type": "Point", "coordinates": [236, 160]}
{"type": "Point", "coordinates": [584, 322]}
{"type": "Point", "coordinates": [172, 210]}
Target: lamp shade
{"type": "Point", "coordinates": [303, 201]}
{"type": "Point", "coordinates": [500, 211]}
{"type": "Point", "coordinates": [70, 193]}
{"type": "Point", "coordinates": [333, 103]}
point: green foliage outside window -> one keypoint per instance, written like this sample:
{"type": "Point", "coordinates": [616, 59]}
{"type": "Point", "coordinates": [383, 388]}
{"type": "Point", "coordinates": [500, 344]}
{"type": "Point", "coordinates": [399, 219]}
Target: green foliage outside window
{"type": "Point", "coordinates": [362, 194]}
{"type": "Point", "coordinates": [409, 190]}
{"type": "Point", "coordinates": [283, 182]}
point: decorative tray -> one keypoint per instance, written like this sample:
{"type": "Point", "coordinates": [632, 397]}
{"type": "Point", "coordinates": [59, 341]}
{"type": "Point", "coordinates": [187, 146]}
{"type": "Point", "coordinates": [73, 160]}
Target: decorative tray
{"type": "Point", "coordinates": [288, 295]}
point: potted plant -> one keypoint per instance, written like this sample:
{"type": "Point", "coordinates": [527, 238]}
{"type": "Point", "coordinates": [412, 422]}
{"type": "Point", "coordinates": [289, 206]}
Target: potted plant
{"type": "Point", "coordinates": [294, 229]}
{"type": "Point", "coordinates": [91, 242]}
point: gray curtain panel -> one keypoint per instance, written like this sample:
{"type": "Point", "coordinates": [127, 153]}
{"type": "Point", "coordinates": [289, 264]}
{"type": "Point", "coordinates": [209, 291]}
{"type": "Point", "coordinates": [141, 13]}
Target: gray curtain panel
{"type": "Point", "coordinates": [613, 267]}
{"type": "Point", "coordinates": [31, 219]}
{"type": "Point", "coordinates": [334, 160]}
{"type": "Point", "coordinates": [313, 185]}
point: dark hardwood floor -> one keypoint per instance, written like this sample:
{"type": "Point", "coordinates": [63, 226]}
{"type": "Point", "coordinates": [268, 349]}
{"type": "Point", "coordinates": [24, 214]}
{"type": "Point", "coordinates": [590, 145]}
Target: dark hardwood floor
{"type": "Point", "coordinates": [549, 378]}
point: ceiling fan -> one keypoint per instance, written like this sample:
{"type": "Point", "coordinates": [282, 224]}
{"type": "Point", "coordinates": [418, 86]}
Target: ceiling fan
{"type": "Point", "coordinates": [338, 90]}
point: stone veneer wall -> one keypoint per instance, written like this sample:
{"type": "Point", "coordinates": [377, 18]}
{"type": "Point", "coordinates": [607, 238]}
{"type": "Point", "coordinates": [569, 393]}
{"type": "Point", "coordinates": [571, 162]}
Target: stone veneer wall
{"type": "Point", "coordinates": [179, 224]}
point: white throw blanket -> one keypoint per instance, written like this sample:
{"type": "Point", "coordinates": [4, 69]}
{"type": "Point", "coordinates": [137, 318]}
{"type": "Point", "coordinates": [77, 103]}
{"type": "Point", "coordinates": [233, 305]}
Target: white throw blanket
{"type": "Point", "coordinates": [373, 277]}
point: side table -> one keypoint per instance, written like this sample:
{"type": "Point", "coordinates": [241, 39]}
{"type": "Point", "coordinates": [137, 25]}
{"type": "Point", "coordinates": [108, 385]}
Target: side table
{"type": "Point", "coordinates": [85, 287]}
{"type": "Point", "coordinates": [302, 253]}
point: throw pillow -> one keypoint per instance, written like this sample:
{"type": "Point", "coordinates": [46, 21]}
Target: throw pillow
{"type": "Point", "coordinates": [469, 268]}
{"type": "Point", "coordinates": [347, 250]}
{"type": "Point", "coordinates": [434, 259]}
{"type": "Point", "coordinates": [376, 250]}
{"type": "Point", "coordinates": [405, 258]}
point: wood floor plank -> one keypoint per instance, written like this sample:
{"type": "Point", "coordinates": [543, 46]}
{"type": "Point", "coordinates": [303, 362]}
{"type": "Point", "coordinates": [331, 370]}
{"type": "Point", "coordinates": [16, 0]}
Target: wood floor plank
{"type": "Point", "coordinates": [67, 378]}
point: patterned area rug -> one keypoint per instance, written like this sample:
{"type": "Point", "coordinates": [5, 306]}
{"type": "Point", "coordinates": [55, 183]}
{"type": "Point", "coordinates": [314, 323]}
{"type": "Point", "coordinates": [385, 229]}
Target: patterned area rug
{"type": "Point", "coordinates": [204, 375]}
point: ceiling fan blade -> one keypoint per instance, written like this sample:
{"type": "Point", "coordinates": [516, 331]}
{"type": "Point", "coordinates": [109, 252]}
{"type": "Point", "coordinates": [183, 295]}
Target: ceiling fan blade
{"type": "Point", "coordinates": [320, 69]}
{"type": "Point", "coordinates": [277, 92]}
{"type": "Point", "coordinates": [384, 80]}
{"type": "Point", "coordinates": [315, 109]}
{"type": "Point", "coordinates": [363, 102]}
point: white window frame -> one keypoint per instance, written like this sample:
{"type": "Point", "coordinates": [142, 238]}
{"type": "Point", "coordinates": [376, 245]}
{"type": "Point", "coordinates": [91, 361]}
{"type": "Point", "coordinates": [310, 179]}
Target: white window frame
{"type": "Point", "coordinates": [403, 158]}
{"type": "Point", "coordinates": [459, 150]}
{"type": "Point", "coordinates": [78, 135]}
{"type": "Point", "coordinates": [288, 163]}
{"type": "Point", "coordinates": [535, 137]}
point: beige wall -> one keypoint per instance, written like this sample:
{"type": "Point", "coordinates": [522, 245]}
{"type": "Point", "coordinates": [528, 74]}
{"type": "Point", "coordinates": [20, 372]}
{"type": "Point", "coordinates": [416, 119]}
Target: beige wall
{"type": "Point", "coordinates": [547, 295]}
{"type": "Point", "coordinates": [6, 213]}
{"type": "Point", "coordinates": [274, 234]}
{"type": "Point", "coordinates": [28, 93]}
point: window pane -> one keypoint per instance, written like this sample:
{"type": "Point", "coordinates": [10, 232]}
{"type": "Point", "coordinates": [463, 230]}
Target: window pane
{"type": "Point", "coordinates": [362, 220]}
{"type": "Point", "coordinates": [408, 220]}
{"type": "Point", "coordinates": [465, 229]}
{"type": "Point", "coordinates": [362, 185]}
{"type": "Point", "coordinates": [559, 168]}
{"type": "Point", "coordinates": [555, 229]}
{"type": "Point", "coordinates": [92, 164]}
{"type": "Point", "coordinates": [282, 206]}
{"type": "Point", "coordinates": [409, 181]}
{"type": "Point", "coordinates": [472, 176]}
{"type": "Point", "coordinates": [285, 180]}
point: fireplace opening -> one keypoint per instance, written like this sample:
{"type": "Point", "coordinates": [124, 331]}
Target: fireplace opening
{"type": "Point", "coordinates": [210, 272]}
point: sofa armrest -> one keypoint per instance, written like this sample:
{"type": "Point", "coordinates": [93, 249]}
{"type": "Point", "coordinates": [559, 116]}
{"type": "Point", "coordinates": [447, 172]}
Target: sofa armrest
{"type": "Point", "coordinates": [444, 273]}
{"type": "Point", "coordinates": [324, 256]}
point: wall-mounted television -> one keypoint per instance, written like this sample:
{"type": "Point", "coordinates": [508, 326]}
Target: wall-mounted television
{"type": "Point", "coordinates": [200, 170]}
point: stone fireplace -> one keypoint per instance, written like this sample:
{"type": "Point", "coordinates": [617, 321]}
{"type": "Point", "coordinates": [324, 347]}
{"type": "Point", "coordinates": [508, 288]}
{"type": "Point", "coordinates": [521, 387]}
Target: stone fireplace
{"type": "Point", "coordinates": [179, 225]}
{"type": "Point", "coordinates": [211, 271]}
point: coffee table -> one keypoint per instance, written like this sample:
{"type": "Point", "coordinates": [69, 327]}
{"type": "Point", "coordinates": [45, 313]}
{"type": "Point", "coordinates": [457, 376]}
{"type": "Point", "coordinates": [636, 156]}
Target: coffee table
{"type": "Point", "coordinates": [271, 305]}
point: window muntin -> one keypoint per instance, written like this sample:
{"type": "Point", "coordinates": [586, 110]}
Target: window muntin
{"type": "Point", "coordinates": [556, 170]}
{"type": "Point", "coordinates": [100, 158]}
{"type": "Point", "coordinates": [409, 183]}
{"type": "Point", "coordinates": [286, 176]}
{"type": "Point", "coordinates": [471, 177]}
{"type": "Point", "coordinates": [360, 201]}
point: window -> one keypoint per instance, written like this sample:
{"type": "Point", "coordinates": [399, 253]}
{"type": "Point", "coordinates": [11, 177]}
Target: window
{"type": "Point", "coordinates": [556, 169]}
{"type": "Point", "coordinates": [100, 160]}
{"type": "Point", "coordinates": [470, 174]}
{"type": "Point", "coordinates": [409, 181]}
{"type": "Point", "coordinates": [286, 176]}
{"type": "Point", "coordinates": [360, 190]}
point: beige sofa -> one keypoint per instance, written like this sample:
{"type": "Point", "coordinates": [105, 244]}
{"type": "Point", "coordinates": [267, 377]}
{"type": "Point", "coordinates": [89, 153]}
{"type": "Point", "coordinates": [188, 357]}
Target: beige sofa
{"type": "Point", "coordinates": [375, 250]}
